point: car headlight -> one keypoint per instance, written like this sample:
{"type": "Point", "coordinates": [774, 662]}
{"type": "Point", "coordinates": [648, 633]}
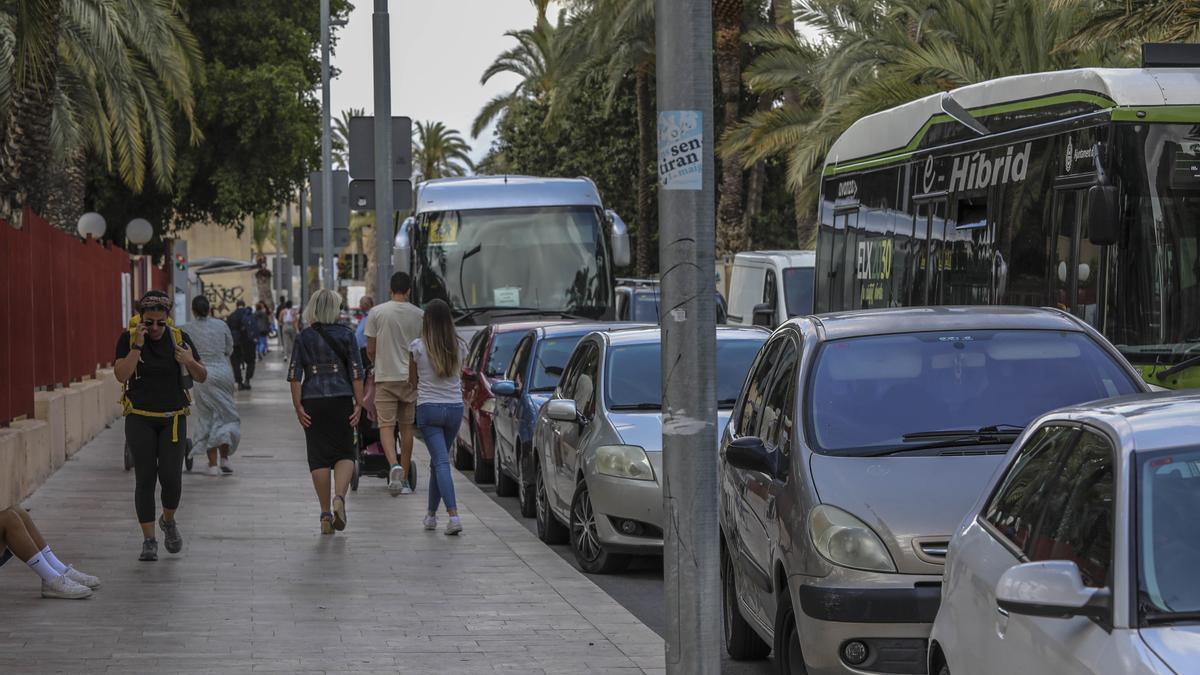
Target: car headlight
{"type": "Point", "coordinates": [845, 540]}
{"type": "Point", "coordinates": [624, 461]}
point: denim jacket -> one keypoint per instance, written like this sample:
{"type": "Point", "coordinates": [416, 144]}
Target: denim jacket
{"type": "Point", "coordinates": [319, 368]}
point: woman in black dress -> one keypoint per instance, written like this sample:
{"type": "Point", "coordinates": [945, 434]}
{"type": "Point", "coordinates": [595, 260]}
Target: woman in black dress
{"type": "Point", "coordinates": [327, 391]}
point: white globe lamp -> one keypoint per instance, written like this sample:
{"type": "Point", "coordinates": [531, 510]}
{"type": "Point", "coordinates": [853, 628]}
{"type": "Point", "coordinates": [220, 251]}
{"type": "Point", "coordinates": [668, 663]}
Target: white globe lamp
{"type": "Point", "coordinates": [92, 225]}
{"type": "Point", "coordinates": [139, 231]}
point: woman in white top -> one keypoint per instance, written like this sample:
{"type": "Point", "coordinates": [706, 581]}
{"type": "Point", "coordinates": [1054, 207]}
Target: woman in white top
{"type": "Point", "coordinates": [435, 373]}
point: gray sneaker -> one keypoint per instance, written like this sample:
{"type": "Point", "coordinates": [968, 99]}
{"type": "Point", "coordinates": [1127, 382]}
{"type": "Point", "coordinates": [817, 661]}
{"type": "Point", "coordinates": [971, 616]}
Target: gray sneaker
{"type": "Point", "coordinates": [396, 482]}
{"type": "Point", "coordinates": [171, 537]}
{"type": "Point", "coordinates": [65, 589]}
{"type": "Point", "coordinates": [149, 550]}
{"type": "Point", "coordinates": [454, 526]}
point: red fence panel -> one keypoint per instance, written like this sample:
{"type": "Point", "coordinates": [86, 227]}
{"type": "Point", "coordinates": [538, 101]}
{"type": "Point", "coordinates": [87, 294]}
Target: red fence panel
{"type": "Point", "coordinates": [60, 338]}
{"type": "Point", "coordinates": [6, 385]}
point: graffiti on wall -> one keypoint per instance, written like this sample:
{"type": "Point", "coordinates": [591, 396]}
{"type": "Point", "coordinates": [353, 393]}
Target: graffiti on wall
{"type": "Point", "coordinates": [223, 298]}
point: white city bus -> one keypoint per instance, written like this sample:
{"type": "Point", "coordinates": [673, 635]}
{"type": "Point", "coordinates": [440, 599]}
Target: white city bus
{"type": "Point", "coordinates": [498, 248]}
{"type": "Point", "coordinates": [1077, 189]}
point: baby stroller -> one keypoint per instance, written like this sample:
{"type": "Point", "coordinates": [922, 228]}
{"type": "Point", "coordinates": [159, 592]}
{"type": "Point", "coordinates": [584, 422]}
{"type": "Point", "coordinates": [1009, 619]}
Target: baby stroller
{"type": "Point", "coordinates": [369, 459]}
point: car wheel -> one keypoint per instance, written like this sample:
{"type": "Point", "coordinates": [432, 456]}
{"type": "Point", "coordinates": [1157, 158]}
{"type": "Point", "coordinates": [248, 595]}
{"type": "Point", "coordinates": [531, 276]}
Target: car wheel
{"type": "Point", "coordinates": [484, 470]}
{"type": "Point", "coordinates": [549, 530]}
{"type": "Point", "coordinates": [526, 494]}
{"type": "Point", "coordinates": [505, 485]}
{"type": "Point", "coordinates": [463, 457]}
{"type": "Point", "coordinates": [788, 654]}
{"type": "Point", "coordinates": [742, 643]}
{"type": "Point", "coordinates": [585, 538]}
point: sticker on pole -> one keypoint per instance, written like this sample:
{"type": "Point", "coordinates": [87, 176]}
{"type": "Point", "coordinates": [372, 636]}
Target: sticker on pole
{"type": "Point", "coordinates": [681, 150]}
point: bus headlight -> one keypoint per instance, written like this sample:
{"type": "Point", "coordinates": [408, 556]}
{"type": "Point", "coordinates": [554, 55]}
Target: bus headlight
{"type": "Point", "coordinates": [845, 540]}
{"type": "Point", "coordinates": [624, 461]}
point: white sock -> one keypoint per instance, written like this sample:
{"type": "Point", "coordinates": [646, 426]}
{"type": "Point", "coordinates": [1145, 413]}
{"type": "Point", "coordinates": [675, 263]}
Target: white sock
{"type": "Point", "coordinates": [43, 568]}
{"type": "Point", "coordinates": [53, 560]}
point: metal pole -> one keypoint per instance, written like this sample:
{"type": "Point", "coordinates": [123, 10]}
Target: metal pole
{"type": "Point", "coordinates": [687, 245]}
{"type": "Point", "coordinates": [305, 249]}
{"type": "Point", "coordinates": [326, 152]}
{"type": "Point", "coordinates": [278, 278]}
{"type": "Point", "coordinates": [291, 235]}
{"type": "Point", "coordinates": [383, 152]}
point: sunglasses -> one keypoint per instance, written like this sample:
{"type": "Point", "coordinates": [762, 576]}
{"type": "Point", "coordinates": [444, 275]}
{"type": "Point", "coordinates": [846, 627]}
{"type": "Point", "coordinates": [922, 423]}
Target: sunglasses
{"type": "Point", "coordinates": [150, 324]}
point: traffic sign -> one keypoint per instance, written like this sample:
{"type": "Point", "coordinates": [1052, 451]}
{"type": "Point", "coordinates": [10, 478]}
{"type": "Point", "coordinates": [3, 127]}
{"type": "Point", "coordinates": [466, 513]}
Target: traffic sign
{"type": "Point", "coordinates": [362, 148]}
{"type": "Point", "coordinates": [341, 201]}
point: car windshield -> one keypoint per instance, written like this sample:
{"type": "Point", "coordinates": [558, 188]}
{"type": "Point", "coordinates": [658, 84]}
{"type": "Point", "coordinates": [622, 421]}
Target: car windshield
{"type": "Point", "coordinates": [503, 347]}
{"type": "Point", "coordinates": [635, 373]}
{"type": "Point", "coordinates": [1168, 495]}
{"type": "Point", "coordinates": [545, 258]}
{"type": "Point", "coordinates": [798, 290]}
{"type": "Point", "coordinates": [552, 356]}
{"type": "Point", "coordinates": [870, 394]}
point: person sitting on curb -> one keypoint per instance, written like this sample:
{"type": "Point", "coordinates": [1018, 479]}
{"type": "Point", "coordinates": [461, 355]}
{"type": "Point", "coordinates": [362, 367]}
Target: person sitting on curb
{"type": "Point", "coordinates": [19, 537]}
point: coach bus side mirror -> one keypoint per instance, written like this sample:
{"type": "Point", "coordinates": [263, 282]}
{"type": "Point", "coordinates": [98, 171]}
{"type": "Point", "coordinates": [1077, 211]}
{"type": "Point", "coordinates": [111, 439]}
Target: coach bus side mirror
{"type": "Point", "coordinates": [1102, 215]}
{"type": "Point", "coordinates": [402, 247]}
{"type": "Point", "coordinates": [620, 239]}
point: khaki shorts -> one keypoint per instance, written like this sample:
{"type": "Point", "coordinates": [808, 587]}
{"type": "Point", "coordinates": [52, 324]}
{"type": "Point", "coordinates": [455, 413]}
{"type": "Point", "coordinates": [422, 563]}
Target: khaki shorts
{"type": "Point", "coordinates": [395, 402]}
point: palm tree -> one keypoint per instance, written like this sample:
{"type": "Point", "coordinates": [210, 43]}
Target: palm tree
{"type": "Point", "coordinates": [1135, 21]}
{"type": "Point", "coordinates": [341, 136]}
{"type": "Point", "coordinates": [111, 73]}
{"type": "Point", "coordinates": [439, 152]}
{"type": "Point", "coordinates": [732, 235]}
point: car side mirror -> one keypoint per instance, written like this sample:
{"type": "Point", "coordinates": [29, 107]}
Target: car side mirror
{"type": "Point", "coordinates": [562, 410]}
{"type": "Point", "coordinates": [749, 453]}
{"type": "Point", "coordinates": [1051, 588]}
{"type": "Point", "coordinates": [1102, 215]}
{"type": "Point", "coordinates": [505, 388]}
{"type": "Point", "coordinates": [402, 246]}
{"type": "Point", "coordinates": [619, 239]}
{"type": "Point", "coordinates": [764, 315]}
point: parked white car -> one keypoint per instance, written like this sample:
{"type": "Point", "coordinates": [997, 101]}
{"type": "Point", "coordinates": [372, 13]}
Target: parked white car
{"type": "Point", "coordinates": [1083, 556]}
{"type": "Point", "coordinates": [766, 288]}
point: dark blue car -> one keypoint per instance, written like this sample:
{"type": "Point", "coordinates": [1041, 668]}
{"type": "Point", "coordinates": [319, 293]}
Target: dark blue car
{"type": "Point", "coordinates": [529, 382]}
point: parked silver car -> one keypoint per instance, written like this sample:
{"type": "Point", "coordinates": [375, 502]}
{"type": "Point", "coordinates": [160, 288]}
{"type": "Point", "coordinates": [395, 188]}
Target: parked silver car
{"type": "Point", "coordinates": [858, 444]}
{"type": "Point", "coordinates": [1083, 556]}
{"type": "Point", "coordinates": [598, 443]}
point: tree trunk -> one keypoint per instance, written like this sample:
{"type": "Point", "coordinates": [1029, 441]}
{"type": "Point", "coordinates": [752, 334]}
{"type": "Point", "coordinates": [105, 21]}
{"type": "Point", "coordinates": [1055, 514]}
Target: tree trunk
{"type": "Point", "coordinates": [758, 181]}
{"type": "Point", "coordinates": [727, 15]}
{"type": "Point", "coordinates": [25, 154]}
{"type": "Point", "coordinates": [784, 17]}
{"type": "Point", "coordinates": [647, 173]}
{"type": "Point", "coordinates": [67, 185]}
{"type": "Point", "coordinates": [369, 232]}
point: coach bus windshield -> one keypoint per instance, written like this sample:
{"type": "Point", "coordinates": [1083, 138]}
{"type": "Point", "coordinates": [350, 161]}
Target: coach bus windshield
{"type": "Point", "coordinates": [1156, 316]}
{"type": "Point", "coordinates": [551, 259]}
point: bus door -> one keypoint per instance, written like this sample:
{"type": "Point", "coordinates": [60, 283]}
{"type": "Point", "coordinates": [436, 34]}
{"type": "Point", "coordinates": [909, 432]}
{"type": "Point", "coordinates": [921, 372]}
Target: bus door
{"type": "Point", "coordinates": [929, 235]}
{"type": "Point", "coordinates": [1077, 263]}
{"type": "Point", "coordinates": [839, 278]}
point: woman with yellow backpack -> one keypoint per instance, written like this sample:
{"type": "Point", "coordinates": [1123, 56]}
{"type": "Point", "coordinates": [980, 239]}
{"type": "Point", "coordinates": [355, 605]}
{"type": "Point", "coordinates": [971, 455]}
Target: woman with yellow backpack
{"type": "Point", "coordinates": [157, 363]}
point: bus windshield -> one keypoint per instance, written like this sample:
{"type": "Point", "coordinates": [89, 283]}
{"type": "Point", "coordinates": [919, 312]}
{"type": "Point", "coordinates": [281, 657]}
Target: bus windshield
{"type": "Point", "coordinates": [541, 258]}
{"type": "Point", "coordinates": [1157, 318]}
{"type": "Point", "coordinates": [798, 290]}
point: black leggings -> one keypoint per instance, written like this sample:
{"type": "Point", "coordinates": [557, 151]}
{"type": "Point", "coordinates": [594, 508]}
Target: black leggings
{"type": "Point", "coordinates": [156, 460]}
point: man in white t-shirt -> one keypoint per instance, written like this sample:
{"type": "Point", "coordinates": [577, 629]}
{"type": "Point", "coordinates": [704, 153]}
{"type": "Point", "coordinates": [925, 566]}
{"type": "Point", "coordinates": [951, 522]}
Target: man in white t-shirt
{"type": "Point", "coordinates": [391, 328]}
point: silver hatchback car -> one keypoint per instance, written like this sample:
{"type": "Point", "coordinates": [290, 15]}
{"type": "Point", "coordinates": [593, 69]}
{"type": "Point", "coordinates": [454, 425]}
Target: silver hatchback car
{"type": "Point", "coordinates": [1082, 558]}
{"type": "Point", "coordinates": [858, 444]}
{"type": "Point", "coordinates": [598, 443]}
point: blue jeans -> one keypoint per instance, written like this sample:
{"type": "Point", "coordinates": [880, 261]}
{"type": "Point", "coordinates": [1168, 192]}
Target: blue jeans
{"type": "Point", "coordinates": [438, 424]}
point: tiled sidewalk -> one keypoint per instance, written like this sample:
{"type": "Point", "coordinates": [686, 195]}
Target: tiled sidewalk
{"type": "Point", "coordinates": [257, 588]}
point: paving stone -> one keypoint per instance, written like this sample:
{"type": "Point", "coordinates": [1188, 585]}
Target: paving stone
{"type": "Point", "coordinates": [258, 589]}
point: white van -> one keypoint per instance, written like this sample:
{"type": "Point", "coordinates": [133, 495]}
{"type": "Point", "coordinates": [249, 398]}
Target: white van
{"type": "Point", "coordinates": [767, 288]}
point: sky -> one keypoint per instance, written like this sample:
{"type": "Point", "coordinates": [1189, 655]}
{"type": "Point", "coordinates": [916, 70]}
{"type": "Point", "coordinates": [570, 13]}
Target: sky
{"type": "Point", "coordinates": [439, 50]}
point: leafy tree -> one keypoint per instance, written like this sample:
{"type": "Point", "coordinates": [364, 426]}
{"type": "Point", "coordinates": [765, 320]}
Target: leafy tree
{"type": "Point", "coordinates": [257, 111]}
{"type": "Point", "coordinates": [112, 74]}
{"type": "Point", "coordinates": [439, 152]}
{"type": "Point", "coordinates": [341, 136]}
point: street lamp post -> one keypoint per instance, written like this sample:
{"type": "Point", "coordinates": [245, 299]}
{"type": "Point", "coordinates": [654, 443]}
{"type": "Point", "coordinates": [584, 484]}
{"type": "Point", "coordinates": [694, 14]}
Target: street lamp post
{"type": "Point", "coordinates": [139, 232]}
{"type": "Point", "coordinates": [326, 151]}
{"type": "Point", "coordinates": [91, 226]}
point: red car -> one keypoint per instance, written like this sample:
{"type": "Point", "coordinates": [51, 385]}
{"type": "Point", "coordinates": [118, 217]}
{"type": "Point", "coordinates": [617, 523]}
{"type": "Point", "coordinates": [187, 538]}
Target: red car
{"type": "Point", "coordinates": [488, 356]}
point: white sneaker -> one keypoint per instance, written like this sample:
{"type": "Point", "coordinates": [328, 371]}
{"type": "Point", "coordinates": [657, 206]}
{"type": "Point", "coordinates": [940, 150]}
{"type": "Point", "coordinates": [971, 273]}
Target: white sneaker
{"type": "Point", "coordinates": [65, 589]}
{"type": "Point", "coordinates": [396, 483]}
{"type": "Point", "coordinates": [81, 578]}
{"type": "Point", "coordinates": [430, 522]}
{"type": "Point", "coordinates": [405, 489]}
{"type": "Point", "coordinates": [213, 471]}
{"type": "Point", "coordinates": [226, 466]}
{"type": "Point", "coordinates": [454, 526]}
